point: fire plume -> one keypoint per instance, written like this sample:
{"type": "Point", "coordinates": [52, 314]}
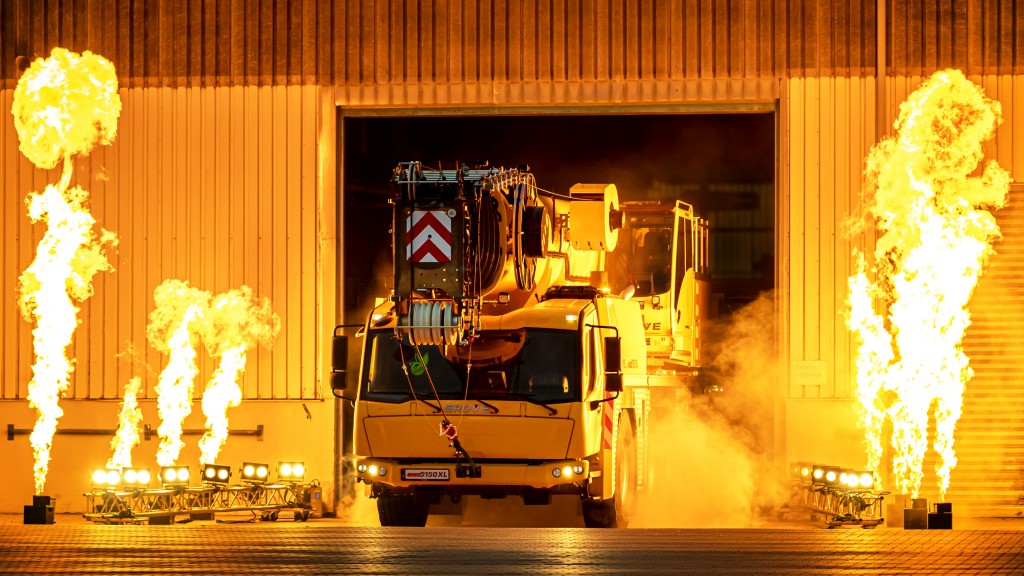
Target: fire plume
{"type": "Point", "coordinates": [929, 205]}
{"type": "Point", "coordinates": [127, 435]}
{"type": "Point", "coordinates": [172, 329]}
{"type": "Point", "coordinates": [63, 105]}
{"type": "Point", "coordinates": [236, 321]}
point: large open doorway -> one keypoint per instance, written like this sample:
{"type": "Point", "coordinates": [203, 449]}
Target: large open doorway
{"type": "Point", "coordinates": [722, 164]}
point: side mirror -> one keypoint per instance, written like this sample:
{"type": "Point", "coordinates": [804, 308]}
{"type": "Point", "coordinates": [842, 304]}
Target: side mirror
{"type": "Point", "coordinates": [339, 382]}
{"type": "Point", "coordinates": [339, 365]}
{"type": "Point", "coordinates": [613, 364]}
{"type": "Point", "coordinates": [339, 353]}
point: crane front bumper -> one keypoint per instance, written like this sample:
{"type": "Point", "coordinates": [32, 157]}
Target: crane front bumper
{"type": "Point", "coordinates": [544, 475]}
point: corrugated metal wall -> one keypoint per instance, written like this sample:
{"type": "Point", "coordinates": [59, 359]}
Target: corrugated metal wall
{"type": "Point", "coordinates": [219, 187]}
{"type": "Point", "coordinates": [470, 43]}
{"type": "Point", "coordinates": [828, 127]}
{"type": "Point", "coordinates": [980, 37]}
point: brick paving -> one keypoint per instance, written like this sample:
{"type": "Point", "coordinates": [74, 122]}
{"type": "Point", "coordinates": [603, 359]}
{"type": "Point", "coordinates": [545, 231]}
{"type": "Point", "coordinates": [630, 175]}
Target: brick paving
{"type": "Point", "coordinates": [330, 547]}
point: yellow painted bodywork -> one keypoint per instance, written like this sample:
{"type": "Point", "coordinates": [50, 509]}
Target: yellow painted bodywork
{"type": "Point", "coordinates": [518, 431]}
{"type": "Point", "coordinates": [518, 445]}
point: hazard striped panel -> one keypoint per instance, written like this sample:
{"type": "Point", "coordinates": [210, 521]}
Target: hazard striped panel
{"type": "Point", "coordinates": [606, 436]}
{"type": "Point", "coordinates": [428, 236]}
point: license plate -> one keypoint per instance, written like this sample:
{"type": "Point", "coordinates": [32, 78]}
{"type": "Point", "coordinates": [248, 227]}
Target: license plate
{"type": "Point", "coordinates": [425, 474]}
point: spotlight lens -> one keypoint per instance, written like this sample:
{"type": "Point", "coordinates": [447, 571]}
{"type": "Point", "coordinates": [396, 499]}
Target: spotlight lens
{"type": "Point", "coordinates": [144, 477]}
{"type": "Point", "coordinates": [210, 473]}
{"type": "Point", "coordinates": [567, 471]}
{"type": "Point", "coordinates": [804, 472]}
{"type": "Point", "coordinates": [286, 469]}
{"type": "Point", "coordinates": [818, 474]}
{"type": "Point", "coordinates": [372, 470]}
{"type": "Point", "coordinates": [170, 475]}
{"type": "Point", "coordinates": [99, 477]}
{"type": "Point", "coordinates": [867, 479]}
{"type": "Point", "coordinates": [183, 474]}
{"type": "Point", "coordinates": [261, 472]}
{"type": "Point", "coordinates": [557, 472]}
{"type": "Point", "coordinates": [113, 477]}
{"type": "Point", "coordinates": [577, 469]}
{"type": "Point", "coordinates": [382, 471]}
{"type": "Point", "coordinates": [249, 470]}
{"type": "Point", "coordinates": [830, 476]}
{"type": "Point", "coordinates": [222, 474]}
{"type": "Point", "coordinates": [298, 470]}
{"type": "Point", "coordinates": [131, 476]}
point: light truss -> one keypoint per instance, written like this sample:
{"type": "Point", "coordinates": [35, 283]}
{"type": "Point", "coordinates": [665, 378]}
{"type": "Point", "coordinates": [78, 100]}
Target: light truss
{"type": "Point", "coordinates": [163, 504]}
{"type": "Point", "coordinates": [840, 507]}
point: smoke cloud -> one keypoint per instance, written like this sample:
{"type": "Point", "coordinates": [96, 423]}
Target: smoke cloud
{"type": "Point", "coordinates": [711, 454]}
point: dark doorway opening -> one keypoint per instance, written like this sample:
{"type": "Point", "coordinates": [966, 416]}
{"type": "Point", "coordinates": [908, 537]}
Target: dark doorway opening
{"type": "Point", "coordinates": [722, 164]}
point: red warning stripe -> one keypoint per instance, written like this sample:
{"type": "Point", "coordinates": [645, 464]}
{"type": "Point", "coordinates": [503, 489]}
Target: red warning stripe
{"type": "Point", "coordinates": [427, 219]}
{"type": "Point", "coordinates": [431, 249]}
{"type": "Point", "coordinates": [428, 237]}
{"type": "Point", "coordinates": [609, 409]}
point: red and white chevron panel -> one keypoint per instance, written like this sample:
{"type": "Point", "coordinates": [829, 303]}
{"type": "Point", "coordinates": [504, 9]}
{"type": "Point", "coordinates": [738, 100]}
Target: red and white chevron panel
{"type": "Point", "coordinates": [428, 236]}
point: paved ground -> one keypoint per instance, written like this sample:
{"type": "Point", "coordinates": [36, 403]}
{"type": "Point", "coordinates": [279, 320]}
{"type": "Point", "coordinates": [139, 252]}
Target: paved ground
{"type": "Point", "coordinates": [326, 546]}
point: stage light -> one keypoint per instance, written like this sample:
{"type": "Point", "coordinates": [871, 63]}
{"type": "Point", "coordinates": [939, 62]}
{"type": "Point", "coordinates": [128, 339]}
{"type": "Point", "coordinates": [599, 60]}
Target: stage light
{"type": "Point", "coordinates": [255, 473]}
{"type": "Point", "coordinates": [107, 478]}
{"type": "Point", "coordinates": [866, 480]}
{"type": "Point", "coordinates": [291, 471]}
{"type": "Point", "coordinates": [801, 471]}
{"type": "Point", "coordinates": [136, 477]}
{"type": "Point", "coordinates": [818, 474]}
{"type": "Point", "coordinates": [174, 475]}
{"type": "Point", "coordinates": [832, 475]}
{"type": "Point", "coordinates": [216, 474]}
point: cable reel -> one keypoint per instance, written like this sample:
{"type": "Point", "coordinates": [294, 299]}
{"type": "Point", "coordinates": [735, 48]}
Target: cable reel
{"type": "Point", "coordinates": [531, 228]}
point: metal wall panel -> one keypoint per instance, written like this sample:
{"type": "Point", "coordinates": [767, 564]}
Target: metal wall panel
{"type": "Point", "coordinates": [217, 186]}
{"type": "Point", "coordinates": [479, 50]}
{"type": "Point", "coordinates": [828, 129]}
{"type": "Point", "coordinates": [976, 36]}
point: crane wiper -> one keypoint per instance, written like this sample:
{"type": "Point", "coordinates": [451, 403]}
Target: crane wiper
{"type": "Point", "coordinates": [532, 400]}
{"type": "Point", "coordinates": [407, 395]}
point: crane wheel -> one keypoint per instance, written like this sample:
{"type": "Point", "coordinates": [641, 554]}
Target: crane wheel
{"type": "Point", "coordinates": [402, 510]}
{"type": "Point", "coordinates": [619, 510]}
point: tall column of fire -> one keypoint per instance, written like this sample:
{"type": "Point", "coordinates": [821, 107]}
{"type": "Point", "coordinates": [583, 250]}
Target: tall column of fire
{"type": "Point", "coordinates": [908, 309]}
{"type": "Point", "coordinates": [236, 321]}
{"type": "Point", "coordinates": [173, 329]}
{"type": "Point", "coordinates": [63, 105]}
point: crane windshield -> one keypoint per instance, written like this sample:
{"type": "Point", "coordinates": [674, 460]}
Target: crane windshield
{"type": "Point", "coordinates": [534, 365]}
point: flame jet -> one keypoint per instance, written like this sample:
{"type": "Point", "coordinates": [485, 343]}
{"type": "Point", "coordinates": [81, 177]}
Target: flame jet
{"type": "Point", "coordinates": [172, 329]}
{"type": "Point", "coordinates": [63, 105]}
{"type": "Point", "coordinates": [127, 435]}
{"type": "Point", "coordinates": [929, 205]}
{"type": "Point", "coordinates": [236, 321]}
